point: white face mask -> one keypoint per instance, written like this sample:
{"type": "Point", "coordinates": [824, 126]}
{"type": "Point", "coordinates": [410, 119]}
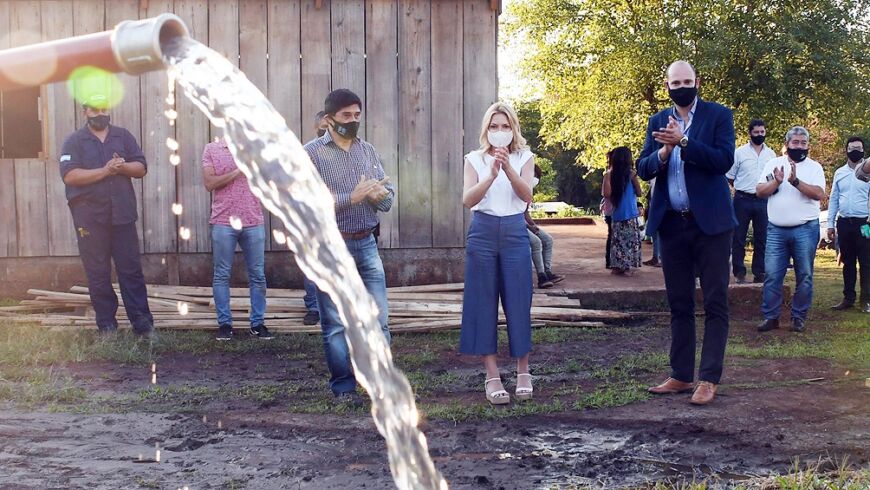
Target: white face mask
{"type": "Point", "coordinates": [535, 181]}
{"type": "Point", "coordinates": [500, 139]}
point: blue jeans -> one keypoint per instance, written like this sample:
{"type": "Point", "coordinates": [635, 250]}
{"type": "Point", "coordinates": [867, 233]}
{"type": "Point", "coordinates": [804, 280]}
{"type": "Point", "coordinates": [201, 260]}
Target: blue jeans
{"type": "Point", "coordinates": [310, 298]}
{"type": "Point", "coordinates": [798, 243]}
{"type": "Point", "coordinates": [542, 250]}
{"type": "Point", "coordinates": [252, 239]}
{"type": "Point", "coordinates": [371, 270]}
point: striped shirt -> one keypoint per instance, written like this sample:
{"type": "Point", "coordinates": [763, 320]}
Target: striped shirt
{"type": "Point", "coordinates": [340, 171]}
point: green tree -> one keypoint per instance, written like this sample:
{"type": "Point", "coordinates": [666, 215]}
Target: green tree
{"type": "Point", "coordinates": [562, 178]}
{"type": "Point", "coordinates": [602, 64]}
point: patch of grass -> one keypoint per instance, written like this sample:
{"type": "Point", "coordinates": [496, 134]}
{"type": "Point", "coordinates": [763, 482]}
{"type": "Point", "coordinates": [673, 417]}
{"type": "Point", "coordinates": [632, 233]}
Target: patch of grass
{"type": "Point", "coordinates": [40, 386]}
{"type": "Point", "coordinates": [416, 359]}
{"type": "Point", "coordinates": [848, 347]}
{"type": "Point", "coordinates": [558, 335]}
{"type": "Point", "coordinates": [629, 367]}
{"type": "Point", "coordinates": [457, 412]}
{"type": "Point", "coordinates": [613, 395]}
{"type": "Point", "coordinates": [143, 483]}
{"type": "Point", "coordinates": [235, 484]}
{"type": "Point", "coordinates": [435, 341]}
{"type": "Point", "coordinates": [822, 474]}
{"type": "Point", "coordinates": [425, 382]}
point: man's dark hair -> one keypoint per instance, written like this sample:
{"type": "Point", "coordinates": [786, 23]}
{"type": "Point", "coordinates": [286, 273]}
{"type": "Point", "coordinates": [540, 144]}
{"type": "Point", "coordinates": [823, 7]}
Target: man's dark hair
{"type": "Point", "coordinates": [339, 99]}
{"type": "Point", "coordinates": [852, 139]}
{"type": "Point", "coordinates": [755, 122]}
{"type": "Point", "coordinates": [318, 117]}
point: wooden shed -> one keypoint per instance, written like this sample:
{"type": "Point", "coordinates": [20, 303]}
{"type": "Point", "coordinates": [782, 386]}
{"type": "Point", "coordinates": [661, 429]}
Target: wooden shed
{"type": "Point", "coordinates": [425, 69]}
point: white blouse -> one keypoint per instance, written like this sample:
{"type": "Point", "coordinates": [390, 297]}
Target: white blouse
{"type": "Point", "coordinates": [500, 199]}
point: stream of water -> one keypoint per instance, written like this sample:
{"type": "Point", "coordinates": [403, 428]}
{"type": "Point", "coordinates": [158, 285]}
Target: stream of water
{"type": "Point", "coordinates": [282, 176]}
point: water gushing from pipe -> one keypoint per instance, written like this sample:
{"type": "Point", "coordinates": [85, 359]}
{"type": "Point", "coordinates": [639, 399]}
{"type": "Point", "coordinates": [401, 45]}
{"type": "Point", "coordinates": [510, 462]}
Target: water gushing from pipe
{"type": "Point", "coordinates": [282, 176]}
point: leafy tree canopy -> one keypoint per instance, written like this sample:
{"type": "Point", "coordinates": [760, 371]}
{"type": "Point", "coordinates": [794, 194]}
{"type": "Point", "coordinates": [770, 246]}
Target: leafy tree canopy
{"type": "Point", "coordinates": [602, 65]}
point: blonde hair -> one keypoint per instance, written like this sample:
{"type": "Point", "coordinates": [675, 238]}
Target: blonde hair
{"type": "Point", "coordinates": [518, 142]}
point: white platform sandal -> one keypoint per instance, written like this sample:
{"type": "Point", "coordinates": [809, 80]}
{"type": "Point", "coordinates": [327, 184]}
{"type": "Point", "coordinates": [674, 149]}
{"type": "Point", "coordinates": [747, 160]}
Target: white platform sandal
{"type": "Point", "coordinates": [524, 394]}
{"type": "Point", "coordinates": [498, 397]}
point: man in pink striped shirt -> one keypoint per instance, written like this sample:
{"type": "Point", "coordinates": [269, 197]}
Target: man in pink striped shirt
{"type": "Point", "coordinates": [236, 219]}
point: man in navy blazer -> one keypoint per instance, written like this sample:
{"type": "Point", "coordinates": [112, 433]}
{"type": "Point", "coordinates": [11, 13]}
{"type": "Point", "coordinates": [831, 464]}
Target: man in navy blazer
{"type": "Point", "coordinates": [689, 147]}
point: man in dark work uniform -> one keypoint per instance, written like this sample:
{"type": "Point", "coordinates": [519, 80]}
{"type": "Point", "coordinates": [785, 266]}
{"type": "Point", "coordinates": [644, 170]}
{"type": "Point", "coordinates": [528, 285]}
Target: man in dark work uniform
{"type": "Point", "coordinates": [97, 164]}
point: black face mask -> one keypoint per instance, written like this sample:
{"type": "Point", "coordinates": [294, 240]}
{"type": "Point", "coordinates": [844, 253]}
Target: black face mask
{"type": "Point", "coordinates": [758, 140]}
{"type": "Point", "coordinates": [855, 156]}
{"type": "Point", "coordinates": [99, 123]}
{"type": "Point", "coordinates": [797, 155]}
{"type": "Point", "coordinates": [346, 130]}
{"type": "Point", "coordinates": [321, 132]}
{"type": "Point", "coordinates": [683, 96]}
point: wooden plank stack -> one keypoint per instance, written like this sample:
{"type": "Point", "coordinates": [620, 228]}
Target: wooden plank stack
{"type": "Point", "coordinates": [412, 309]}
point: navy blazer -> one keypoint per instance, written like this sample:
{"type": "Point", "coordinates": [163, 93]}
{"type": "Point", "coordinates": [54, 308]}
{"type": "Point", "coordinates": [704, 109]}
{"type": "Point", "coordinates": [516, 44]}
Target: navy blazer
{"type": "Point", "coordinates": [707, 157]}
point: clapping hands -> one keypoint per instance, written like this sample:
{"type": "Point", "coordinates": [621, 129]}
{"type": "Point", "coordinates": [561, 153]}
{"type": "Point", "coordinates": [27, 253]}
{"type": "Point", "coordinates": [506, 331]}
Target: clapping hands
{"type": "Point", "coordinates": [115, 165]}
{"type": "Point", "coordinates": [372, 190]}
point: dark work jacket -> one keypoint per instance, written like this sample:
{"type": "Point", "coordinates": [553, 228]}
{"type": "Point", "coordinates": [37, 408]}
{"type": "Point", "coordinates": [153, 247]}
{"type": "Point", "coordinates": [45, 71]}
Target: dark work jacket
{"type": "Point", "coordinates": [111, 199]}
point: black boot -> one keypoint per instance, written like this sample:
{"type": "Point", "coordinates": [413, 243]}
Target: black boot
{"type": "Point", "coordinates": [843, 305]}
{"type": "Point", "coordinates": [544, 282]}
{"type": "Point", "coordinates": [768, 325]}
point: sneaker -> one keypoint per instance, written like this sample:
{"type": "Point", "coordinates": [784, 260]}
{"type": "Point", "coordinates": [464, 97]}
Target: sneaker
{"type": "Point", "coordinates": [351, 399]}
{"type": "Point", "coordinates": [261, 332]}
{"type": "Point", "coordinates": [652, 262]}
{"type": "Point", "coordinates": [311, 318]}
{"type": "Point", "coordinates": [225, 332]}
{"type": "Point", "coordinates": [544, 282]}
{"type": "Point", "coordinates": [554, 278]}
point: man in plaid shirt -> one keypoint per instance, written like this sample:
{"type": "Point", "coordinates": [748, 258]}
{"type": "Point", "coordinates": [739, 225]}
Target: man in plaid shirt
{"type": "Point", "coordinates": [352, 170]}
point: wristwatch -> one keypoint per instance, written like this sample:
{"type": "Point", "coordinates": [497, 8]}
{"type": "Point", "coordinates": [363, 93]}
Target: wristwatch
{"type": "Point", "coordinates": [796, 182]}
{"type": "Point", "coordinates": [684, 141]}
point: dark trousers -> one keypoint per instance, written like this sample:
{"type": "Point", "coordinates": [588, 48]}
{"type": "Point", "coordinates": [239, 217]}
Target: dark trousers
{"type": "Point", "coordinates": [854, 250]}
{"type": "Point", "coordinates": [749, 208]}
{"type": "Point", "coordinates": [609, 221]}
{"type": "Point", "coordinates": [100, 243]}
{"type": "Point", "coordinates": [686, 248]}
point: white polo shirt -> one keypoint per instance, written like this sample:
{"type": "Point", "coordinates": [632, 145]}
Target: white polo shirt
{"type": "Point", "coordinates": [789, 206]}
{"type": "Point", "coordinates": [747, 167]}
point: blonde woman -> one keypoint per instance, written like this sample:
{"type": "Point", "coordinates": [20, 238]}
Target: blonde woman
{"type": "Point", "coordinates": [498, 187]}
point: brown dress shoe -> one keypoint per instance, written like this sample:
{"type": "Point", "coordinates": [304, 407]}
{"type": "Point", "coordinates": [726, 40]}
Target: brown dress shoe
{"type": "Point", "coordinates": [704, 393]}
{"type": "Point", "coordinates": [670, 387]}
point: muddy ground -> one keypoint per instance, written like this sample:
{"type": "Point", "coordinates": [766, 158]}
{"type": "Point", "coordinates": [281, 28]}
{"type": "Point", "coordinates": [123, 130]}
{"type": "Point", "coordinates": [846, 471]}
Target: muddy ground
{"type": "Point", "coordinates": [260, 417]}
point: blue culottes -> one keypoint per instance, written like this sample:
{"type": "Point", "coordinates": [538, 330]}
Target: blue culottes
{"type": "Point", "coordinates": [498, 264]}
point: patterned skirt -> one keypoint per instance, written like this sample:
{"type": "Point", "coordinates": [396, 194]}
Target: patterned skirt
{"type": "Point", "coordinates": [625, 245]}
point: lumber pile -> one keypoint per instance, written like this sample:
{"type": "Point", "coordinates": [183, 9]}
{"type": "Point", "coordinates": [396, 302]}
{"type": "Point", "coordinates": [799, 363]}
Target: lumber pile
{"type": "Point", "coordinates": [412, 309]}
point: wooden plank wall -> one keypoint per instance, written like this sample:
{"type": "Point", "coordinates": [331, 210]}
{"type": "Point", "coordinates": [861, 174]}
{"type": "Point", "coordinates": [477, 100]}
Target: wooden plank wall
{"type": "Point", "coordinates": [425, 70]}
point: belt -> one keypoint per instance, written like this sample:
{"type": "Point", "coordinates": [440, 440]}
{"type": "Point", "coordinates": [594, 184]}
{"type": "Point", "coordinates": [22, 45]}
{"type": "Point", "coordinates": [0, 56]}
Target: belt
{"type": "Point", "coordinates": [359, 235]}
{"type": "Point", "coordinates": [687, 214]}
{"type": "Point", "coordinates": [852, 218]}
{"type": "Point", "coordinates": [746, 194]}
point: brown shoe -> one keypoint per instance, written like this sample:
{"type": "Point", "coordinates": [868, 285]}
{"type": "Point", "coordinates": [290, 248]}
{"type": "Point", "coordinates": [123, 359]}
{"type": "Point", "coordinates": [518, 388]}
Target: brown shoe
{"type": "Point", "coordinates": [670, 387]}
{"type": "Point", "coordinates": [704, 393]}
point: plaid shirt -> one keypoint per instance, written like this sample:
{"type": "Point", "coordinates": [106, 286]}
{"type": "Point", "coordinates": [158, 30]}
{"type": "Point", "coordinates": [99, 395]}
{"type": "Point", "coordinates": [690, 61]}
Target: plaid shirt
{"type": "Point", "coordinates": [341, 170]}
